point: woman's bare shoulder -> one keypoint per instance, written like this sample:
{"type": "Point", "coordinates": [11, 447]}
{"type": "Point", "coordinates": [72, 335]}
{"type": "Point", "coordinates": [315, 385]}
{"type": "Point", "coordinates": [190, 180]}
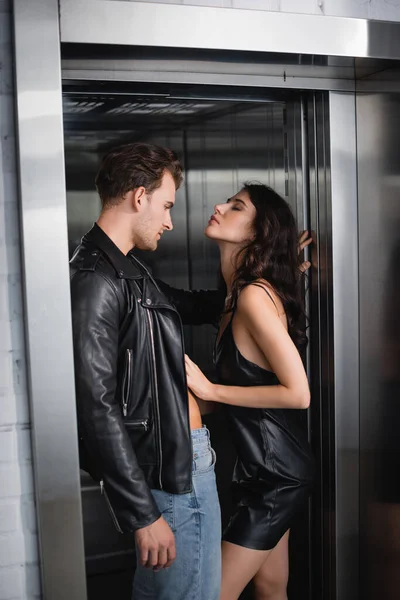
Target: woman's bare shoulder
{"type": "Point", "coordinates": [259, 290]}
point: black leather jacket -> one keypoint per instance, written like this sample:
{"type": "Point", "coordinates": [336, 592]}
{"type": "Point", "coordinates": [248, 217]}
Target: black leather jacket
{"type": "Point", "coordinates": [130, 377]}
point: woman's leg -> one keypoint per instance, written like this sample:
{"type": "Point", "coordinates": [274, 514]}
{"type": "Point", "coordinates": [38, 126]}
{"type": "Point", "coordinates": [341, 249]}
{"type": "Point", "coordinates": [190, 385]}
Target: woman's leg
{"type": "Point", "coordinates": [239, 566]}
{"type": "Point", "coordinates": [268, 568]}
{"type": "Point", "coordinates": [271, 580]}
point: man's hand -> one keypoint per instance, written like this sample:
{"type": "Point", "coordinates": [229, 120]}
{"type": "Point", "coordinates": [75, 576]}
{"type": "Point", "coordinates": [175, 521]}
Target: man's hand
{"type": "Point", "coordinates": [156, 544]}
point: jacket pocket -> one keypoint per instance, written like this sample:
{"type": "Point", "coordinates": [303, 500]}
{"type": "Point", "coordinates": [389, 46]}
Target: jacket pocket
{"type": "Point", "coordinates": [141, 434]}
{"type": "Point", "coordinates": [139, 424]}
{"type": "Point", "coordinates": [127, 382]}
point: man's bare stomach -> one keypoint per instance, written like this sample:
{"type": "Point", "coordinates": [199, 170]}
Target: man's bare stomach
{"type": "Point", "coordinates": [194, 413]}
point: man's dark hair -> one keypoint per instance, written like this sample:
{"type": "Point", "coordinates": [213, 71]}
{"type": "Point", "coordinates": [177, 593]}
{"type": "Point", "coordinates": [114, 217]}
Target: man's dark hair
{"type": "Point", "coordinates": [131, 166]}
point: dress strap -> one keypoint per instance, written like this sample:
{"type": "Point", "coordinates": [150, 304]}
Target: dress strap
{"type": "Point", "coordinates": [267, 292]}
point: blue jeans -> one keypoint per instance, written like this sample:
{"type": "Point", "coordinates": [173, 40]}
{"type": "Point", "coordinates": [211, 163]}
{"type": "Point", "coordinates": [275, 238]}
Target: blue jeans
{"type": "Point", "coordinates": [195, 520]}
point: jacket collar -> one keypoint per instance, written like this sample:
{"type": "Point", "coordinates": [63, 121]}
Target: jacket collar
{"type": "Point", "coordinates": [125, 268]}
{"type": "Point", "coordinates": [128, 267]}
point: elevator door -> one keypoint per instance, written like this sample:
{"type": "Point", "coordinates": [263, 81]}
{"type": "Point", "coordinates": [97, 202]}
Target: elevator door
{"type": "Point", "coordinates": [222, 142]}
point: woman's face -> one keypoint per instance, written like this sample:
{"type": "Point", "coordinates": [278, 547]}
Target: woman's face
{"type": "Point", "coordinates": [233, 221]}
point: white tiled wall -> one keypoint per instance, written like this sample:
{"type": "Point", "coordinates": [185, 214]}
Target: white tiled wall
{"type": "Point", "coordinates": [388, 10]}
{"type": "Point", "coordinates": [19, 571]}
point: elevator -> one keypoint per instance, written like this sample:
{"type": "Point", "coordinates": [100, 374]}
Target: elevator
{"type": "Point", "coordinates": [224, 137]}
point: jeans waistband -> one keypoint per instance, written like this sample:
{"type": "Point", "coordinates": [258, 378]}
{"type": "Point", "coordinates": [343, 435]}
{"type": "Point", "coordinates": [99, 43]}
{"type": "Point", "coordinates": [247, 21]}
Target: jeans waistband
{"type": "Point", "coordinates": [200, 436]}
{"type": "Point", "coordinates": [203, 454]}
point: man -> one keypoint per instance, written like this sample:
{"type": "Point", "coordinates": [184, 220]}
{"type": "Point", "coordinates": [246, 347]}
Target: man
{"type": "Point", "coordinates": [140, 434]}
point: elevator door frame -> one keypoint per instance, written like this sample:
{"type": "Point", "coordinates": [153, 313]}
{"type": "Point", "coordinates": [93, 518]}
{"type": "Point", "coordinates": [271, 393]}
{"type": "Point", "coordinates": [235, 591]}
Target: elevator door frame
{"type": "Point", "coordinates": [46, 291]}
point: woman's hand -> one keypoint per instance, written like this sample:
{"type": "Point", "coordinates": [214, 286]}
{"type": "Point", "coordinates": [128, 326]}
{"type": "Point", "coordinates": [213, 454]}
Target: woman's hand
{"type": "Point", "coordinates": [304, 241]}
{"type": "Point", "coordinates": [198, 382]}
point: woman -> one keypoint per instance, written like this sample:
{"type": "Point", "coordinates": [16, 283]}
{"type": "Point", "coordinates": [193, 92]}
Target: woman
{"type": "Point", "coordinates": [260, 380]}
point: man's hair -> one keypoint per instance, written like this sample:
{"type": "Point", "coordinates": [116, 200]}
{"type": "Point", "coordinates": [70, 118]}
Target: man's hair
{"type": "Point", "coordinates": [131, 166]}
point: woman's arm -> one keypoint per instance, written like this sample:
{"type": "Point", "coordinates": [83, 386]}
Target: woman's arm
{"type": "Point", "coordinates": [259, 316]}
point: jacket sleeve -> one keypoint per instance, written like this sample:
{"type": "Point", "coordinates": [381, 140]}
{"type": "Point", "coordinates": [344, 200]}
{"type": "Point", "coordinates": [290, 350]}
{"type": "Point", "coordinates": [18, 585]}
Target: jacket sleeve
{"type": "Point", "coordinates": [196, 307]}
{"type": "Point", "coordinates": [95, 320]}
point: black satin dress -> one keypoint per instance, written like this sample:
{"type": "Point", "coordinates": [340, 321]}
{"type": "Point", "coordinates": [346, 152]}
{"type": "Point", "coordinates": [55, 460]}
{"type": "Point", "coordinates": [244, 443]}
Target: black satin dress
{"type": "Point", "coordinates": [274, 469]}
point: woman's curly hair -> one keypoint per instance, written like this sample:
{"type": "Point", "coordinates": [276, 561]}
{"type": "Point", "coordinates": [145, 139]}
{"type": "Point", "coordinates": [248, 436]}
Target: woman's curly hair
{"type": "Point", "coordinates": [272, 255]}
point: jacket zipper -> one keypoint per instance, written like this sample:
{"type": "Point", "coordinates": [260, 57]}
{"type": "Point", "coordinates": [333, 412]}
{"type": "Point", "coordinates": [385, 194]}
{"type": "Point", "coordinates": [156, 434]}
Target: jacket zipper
{"type": "Point", "coordinates": [138, 423]}
{"type": "Point", "coordinates": [154, 362]}
{"type": "Point", "coordinates": [110, 508]}
{"type": "Point", "coordinates": [153, 355]}
{"type": "Point", "coordinates": [126, 396]}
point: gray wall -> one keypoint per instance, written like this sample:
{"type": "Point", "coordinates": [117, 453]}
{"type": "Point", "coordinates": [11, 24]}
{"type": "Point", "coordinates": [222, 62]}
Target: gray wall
{"type": "Point", "coordinates": [19, 571]}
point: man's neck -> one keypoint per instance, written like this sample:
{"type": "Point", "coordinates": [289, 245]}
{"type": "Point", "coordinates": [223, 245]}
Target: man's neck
{"type": "Point", "coordinates": [112, 224]}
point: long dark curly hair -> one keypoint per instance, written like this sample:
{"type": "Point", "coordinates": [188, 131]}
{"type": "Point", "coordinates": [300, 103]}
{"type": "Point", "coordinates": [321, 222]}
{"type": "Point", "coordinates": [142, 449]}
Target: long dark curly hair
{"type": "Point", "coordinates": [273, 255]}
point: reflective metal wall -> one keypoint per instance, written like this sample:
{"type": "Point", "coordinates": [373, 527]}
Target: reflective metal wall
{"type": "Point", "coordinates": [321, 340]}
{"type": "Point", "coordinates": [344, 305]}
{"type": "Point", "coordinates": [378, 133]}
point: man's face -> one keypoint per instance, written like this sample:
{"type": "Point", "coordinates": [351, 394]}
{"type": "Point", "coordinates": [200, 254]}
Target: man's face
{"type": "Point", "coordinates": [156, 214]}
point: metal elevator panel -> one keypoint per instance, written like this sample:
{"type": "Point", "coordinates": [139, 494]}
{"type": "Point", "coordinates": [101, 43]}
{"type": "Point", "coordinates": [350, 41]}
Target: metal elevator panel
{"type": "Point", "coordinates": [222, 140]}
{"type": "Point", "coordinates": [378, 129]}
